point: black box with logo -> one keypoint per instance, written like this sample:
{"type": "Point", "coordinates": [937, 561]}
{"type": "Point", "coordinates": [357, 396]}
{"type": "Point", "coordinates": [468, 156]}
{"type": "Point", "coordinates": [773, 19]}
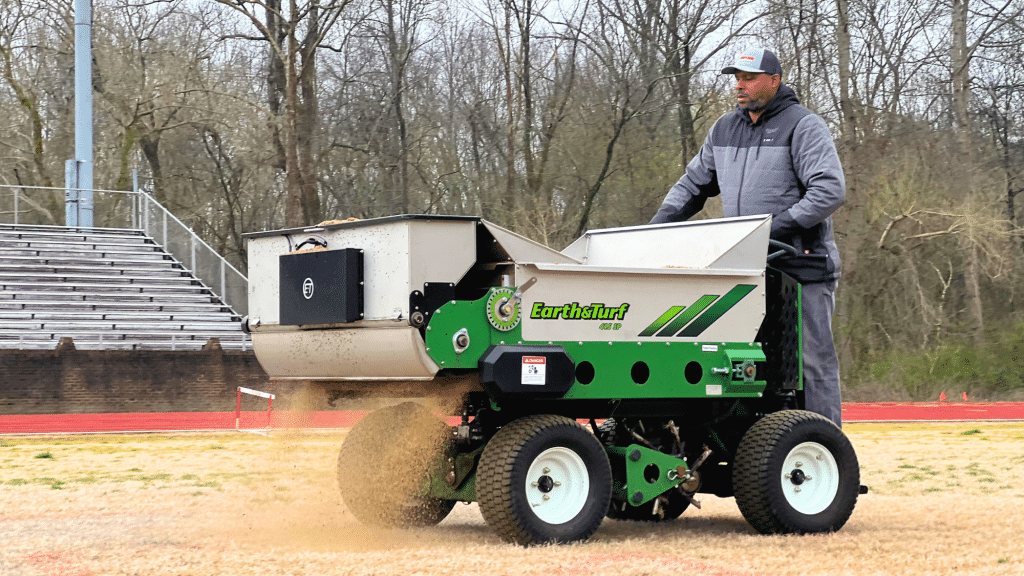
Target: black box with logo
{"type": "Point", "coordinates": [322, 287]}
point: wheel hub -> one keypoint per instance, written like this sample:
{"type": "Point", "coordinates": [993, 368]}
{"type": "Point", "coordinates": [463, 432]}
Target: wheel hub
{"type": "Point", "coordinates": [557, 485]}
{"type": "Point", "coordinates": [545, 484]}
{"type": "Point", "coordinates": [810, 478]}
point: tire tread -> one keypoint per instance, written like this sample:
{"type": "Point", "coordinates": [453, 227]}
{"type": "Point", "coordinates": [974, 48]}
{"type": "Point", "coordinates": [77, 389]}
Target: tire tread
{"type": "Point", "coordinates": [752, 475]}
{"type": "Point", "coordinates": [495, 492]}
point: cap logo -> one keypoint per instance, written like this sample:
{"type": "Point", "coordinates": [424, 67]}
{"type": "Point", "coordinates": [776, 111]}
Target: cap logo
{"type": "Point", "coordinates": [751, 58]}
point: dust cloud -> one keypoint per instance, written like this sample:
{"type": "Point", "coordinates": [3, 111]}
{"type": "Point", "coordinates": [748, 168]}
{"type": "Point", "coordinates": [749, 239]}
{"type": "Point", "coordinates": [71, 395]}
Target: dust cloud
{"type": "Point", "coordinates": [300, 506]}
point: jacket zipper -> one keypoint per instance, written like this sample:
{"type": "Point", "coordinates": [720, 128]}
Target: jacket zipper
{"type": "Point", "coordinates": [743, 178]}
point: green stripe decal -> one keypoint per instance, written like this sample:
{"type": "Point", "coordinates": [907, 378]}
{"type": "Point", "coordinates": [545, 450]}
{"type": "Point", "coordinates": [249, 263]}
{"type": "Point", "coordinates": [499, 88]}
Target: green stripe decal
{"type": "Point", "coordinates": [718, 310]}
{"type": "Point", "coordinates": [661, 321]}
{"type": "Point", "coordinates": [688, 315]}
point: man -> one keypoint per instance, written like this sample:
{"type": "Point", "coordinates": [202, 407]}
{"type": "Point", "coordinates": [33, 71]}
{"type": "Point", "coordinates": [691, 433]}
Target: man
{"type": "Point", "coordinates": [773, 156]}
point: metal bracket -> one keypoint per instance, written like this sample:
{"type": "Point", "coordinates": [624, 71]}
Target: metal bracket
{"type": "Point", "coordinates": [639, 460]}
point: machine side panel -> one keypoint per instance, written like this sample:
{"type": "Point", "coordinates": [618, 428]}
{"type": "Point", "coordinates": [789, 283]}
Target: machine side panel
{"type": "Point", "coordinates": [523, 249]}
{"type": "Point", "coordinates": [699, 244]}
{"type": "Point", "coordinates": [439, 251]}
{"type": "Point", "coordinates": [345, 354]}
{"type": "Point", "coordinates": [264, 285]}
{"type": "Point", "coordinates": [398, 257]}
{"type": "Point", "coordinates": [572, 305]}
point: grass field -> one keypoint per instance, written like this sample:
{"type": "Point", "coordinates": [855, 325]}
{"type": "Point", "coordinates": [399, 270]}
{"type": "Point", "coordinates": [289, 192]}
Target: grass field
{"type": "Point", "coordinates": [945, 499]}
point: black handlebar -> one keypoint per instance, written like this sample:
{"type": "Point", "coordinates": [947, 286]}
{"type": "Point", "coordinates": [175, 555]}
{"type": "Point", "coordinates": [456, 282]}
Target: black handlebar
{"type": "Point", "coordinates": [777, 249]}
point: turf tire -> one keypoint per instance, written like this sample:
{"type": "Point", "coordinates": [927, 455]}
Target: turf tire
{"type": "Point", "coordinates": [510, 481]}
{"type": "Point", "coordinates": [771, 491]}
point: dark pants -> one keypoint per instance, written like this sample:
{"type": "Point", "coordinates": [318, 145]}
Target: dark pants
{"type": "Point", "coordinates": [821, 365]}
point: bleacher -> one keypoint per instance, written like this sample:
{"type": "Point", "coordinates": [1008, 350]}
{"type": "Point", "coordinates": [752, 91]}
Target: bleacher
{"type": "Point", "coordinates": [107, 289]}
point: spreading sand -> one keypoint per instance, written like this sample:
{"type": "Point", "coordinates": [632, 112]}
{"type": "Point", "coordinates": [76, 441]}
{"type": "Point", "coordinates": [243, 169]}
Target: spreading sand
{"type": "Point", "coordinates": [946, 499]}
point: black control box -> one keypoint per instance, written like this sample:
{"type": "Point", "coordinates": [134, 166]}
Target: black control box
{"type": "Point", "coordinates": [321, 287]}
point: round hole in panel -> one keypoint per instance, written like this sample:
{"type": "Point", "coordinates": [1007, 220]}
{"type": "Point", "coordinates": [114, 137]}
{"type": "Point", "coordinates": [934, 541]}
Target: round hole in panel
{"type": "Point", "coordinates": [693, 372]}
{"type": "Point", "coordinates": [585, 372]}
{"type": "Point", "coordinates": [640, 372]}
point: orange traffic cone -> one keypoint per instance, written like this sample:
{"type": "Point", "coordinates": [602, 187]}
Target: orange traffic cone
{"type": "Point", "coordinates": [965, 396]}
{"type": "Point", "coordinates": [942, 397]}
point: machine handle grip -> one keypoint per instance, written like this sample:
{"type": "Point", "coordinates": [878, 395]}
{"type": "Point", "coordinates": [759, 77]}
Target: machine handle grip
{"type": "Point", "coordinates": [780, 248]}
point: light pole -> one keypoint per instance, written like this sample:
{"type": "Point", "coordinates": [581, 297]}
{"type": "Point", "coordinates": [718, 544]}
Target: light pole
{"type": "Point", "coordinates": [78, 206]}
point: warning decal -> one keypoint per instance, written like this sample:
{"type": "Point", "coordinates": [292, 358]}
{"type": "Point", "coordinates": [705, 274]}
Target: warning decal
{"type": "Point", "coordinates": [534, 370]}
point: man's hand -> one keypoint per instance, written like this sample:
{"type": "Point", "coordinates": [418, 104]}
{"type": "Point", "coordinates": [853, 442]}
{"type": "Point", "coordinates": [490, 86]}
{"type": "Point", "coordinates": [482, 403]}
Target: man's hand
{"type": "Point", "coordinates": [783, 226]}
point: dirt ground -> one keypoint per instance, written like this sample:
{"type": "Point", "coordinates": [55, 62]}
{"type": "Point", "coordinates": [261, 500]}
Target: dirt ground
{"type": "Point", "coordinates": [945, 499]}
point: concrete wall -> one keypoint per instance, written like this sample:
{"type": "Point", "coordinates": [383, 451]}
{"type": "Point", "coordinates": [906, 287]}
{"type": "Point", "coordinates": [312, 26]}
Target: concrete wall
{"type": "Point", "coordinates": [70, 381]}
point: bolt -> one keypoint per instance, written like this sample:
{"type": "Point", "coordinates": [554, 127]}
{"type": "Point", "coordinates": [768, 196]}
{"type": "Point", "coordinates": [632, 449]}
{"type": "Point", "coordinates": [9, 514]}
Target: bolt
{"type": "Point", "coordinates": [547, 470]}
{"type": "Point", "coordinates": [799, 464]}
{"type": "Point", "coordinates": [637, 497]}
{"type": "Point", "coordinates": [635, 455]}
{"type": "Point", "coordinates": [818, 457]}
{"type": "Point", "coordinates": [796, 489]}
{"type": "Point", "coordinates": [558, 484]}
{"type": "Point", "coordinates": [808, 477]}
{"type": "Point", "coordinates": [546, 497]}
{"type": "Point", "coordinates": [534, 484]}
{"type": "Point", "coordinates": [788, 477]}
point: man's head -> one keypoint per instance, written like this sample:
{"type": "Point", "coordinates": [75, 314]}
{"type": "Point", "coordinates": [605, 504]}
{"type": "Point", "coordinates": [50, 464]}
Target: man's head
{"type": "Point", "coordinates": [758, 76]}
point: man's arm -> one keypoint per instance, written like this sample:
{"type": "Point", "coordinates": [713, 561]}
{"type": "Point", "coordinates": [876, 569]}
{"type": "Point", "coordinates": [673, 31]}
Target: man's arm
{"type": "Point", "coordinates": [688, 195]}
{"type": "Point", "coordinates": [819, 171]}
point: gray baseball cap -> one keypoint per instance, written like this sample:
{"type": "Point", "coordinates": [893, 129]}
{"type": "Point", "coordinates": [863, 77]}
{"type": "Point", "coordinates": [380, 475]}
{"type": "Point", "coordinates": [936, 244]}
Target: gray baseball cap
{"type": "Point", "coordinates": [757, 60]}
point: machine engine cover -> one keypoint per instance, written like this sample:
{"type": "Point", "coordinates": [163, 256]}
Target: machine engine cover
{"type": "Point", "coordinates": [322, 287]}
{"type": "Point", "coordinates": [526, 371]}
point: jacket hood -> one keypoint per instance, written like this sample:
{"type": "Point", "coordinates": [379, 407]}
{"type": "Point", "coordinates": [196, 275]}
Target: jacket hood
{"type": "Point", "coordinates": [783, 99]}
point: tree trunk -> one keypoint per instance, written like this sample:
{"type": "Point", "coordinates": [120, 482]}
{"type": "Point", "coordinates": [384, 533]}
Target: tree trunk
{"type": "Point", "coordinates": [960, 79]}
{"type": "Point", "coordinates": [849, 121]}
{"type": "Point", "coordinates": [308, 112]}
{"type": "Point", "coordinates": [681, 76]}
{"type": "Point", "coordinates": [398, 55]}
{"type": "Point", "coordinates": [294, 214]}
{"type": "Point", "coordinates": [276, 82]}
{"type": "Point", "coordinates": [150, 146]}
{"type": "Point", "coordinates": [972, 295]}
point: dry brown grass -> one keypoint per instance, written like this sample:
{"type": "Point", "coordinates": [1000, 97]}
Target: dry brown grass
{"type": "Point", "coordinates": [946, 499]}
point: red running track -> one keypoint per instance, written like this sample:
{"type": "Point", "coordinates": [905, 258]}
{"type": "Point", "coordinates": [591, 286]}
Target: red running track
{"type": "Point", "coordinates": [194, 421]}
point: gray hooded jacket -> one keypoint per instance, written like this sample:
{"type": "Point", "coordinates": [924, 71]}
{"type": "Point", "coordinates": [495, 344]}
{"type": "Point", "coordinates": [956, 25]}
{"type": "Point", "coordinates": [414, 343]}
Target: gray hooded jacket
{"type": "Point", "coordinates": [785, 165]}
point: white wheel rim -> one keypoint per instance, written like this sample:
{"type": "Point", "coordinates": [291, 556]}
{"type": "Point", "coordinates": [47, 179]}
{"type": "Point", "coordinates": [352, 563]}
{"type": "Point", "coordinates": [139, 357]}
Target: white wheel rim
{"type": "Point", "coordinates": [557, 485]}
{"type": "Point", "coordinates": [810, 478]}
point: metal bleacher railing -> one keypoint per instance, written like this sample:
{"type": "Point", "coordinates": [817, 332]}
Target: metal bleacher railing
{"type": "Point", "coordinates": [134, 210]}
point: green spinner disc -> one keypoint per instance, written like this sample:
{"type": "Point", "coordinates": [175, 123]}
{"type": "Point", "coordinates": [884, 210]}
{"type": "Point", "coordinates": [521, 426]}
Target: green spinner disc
{"type": "Point", "coordinates": [502, 309]}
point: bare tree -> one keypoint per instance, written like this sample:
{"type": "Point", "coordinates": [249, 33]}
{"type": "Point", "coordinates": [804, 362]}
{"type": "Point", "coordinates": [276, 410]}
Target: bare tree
{"type": "Point", "coordinates": [17, 58]}
{"type": "Point", "coordinates": [962, 51]}
{"type": "Point", "coordinates": [149, 70]}
{"type": "Point", "coordinates": [293, 30]}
